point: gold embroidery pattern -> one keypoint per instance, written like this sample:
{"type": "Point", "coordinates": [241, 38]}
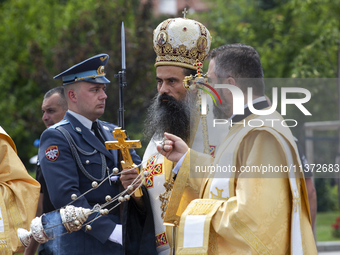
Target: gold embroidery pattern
{"type": "Point", "coordinates": [219, 195]}
{"type": "Point", "coordinates": [158, 50]}
{"type": "Point", "coordinates": [203, 31]}
{"type": "Point", "coordinates": [246, 233]}
{"type": "Point", "coordinates": [204, 127]}
{"type": "Point", "coordinates": [304, 235]}
{"type": "Point", "coordinates": [193, 53]}
{"type": "Point", "coordinates": [176, 59]}
{"type": "Point", "coordinates": [155, 170]}
{"type": "Point", "coordinates": [4, 249]}
{"type": "Point", "coordinates": [180, 54]}
{"type": "Point", "coordinates": [270, 218]}
{"type": "Point", "coordinates": [167, 48]}
{"type": "Point", "coordinates": [5, 237]}
{"type": "Point", "coordinates": [213, 247]}
{"type": "Point", "coordinates": [201, 57]}
{"type": "Point", "coordinates": [181, 49]}
{"type": "Point", "coordinates": [164, 197]}
{"type": "Point", "coordinates": [165, 24]}
{"type": "Point", "coordinates": [183, 54]}
{"type": "Point", "coordinates": [296, 199]}
{"type": "Point", "coordinates": [203, 207]}
{"type": "Point", "coordinates": [15, 214]}
{"type": "Point", "coordinates": [175, 200]}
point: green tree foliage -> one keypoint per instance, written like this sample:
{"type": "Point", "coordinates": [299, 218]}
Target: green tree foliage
{"type": "Point", "coordinates": [287, 34]}
{"type": "Point", "coordinates": [41, 38]}
{"type": "Point", "coordinates": [327, 195]}
{"type": "Point", "coordinates": [98, 30]}
{"type": "Point", "coordinates": [295, 39]}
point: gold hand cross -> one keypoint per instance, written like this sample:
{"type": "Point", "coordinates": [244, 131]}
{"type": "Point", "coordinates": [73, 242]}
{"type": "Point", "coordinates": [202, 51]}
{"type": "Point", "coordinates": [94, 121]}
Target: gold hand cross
{"type": "Point", "coordinates": [124, 146]}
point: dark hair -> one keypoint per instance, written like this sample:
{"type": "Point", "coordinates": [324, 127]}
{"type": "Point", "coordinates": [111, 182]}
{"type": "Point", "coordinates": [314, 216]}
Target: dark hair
{"type": "Point", "coordinates": [240, 62]}
{"type": "Point", "coordinates": [187, 71]}
{"type": "Point", "coordinates": [62, 99]}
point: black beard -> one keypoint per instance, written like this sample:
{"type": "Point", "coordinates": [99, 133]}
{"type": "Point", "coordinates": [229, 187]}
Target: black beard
{"type": "Point", "coordinates": [170, 116]}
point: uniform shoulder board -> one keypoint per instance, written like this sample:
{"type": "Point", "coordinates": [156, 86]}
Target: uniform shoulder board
{"type": "Point", "coordinates": [60, 123]}
{"type": "Point", "coordinates": [104, 122]}
{"type": "Point", "coordinates": [107, 125]}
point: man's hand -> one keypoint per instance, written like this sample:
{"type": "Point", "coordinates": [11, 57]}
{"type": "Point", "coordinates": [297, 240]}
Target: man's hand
{"type": "Point", "coordinates": [128, 176]}
{"type": "Point", "coordinates": [173, 148]}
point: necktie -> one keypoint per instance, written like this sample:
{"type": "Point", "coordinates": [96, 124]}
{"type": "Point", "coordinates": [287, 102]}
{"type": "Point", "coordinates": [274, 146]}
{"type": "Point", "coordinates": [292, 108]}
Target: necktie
{"type": "Point", "coordinates": [96, 131]}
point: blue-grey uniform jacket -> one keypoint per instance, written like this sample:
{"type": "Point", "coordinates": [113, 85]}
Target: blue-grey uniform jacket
{"type": "Point", "coordinates": [64, 177]}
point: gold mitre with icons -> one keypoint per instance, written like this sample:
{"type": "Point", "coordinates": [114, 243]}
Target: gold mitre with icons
{"type": "Point", "coordinates": [180, 42]}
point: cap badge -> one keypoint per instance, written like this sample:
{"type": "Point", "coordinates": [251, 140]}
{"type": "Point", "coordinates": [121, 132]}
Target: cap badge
{"type": "Point", "coordinates": [100, 70]}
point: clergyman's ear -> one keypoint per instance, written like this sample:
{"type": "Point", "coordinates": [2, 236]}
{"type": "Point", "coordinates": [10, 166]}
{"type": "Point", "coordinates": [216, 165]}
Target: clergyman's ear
{"type": "Point", "coordinates": [230, 80]}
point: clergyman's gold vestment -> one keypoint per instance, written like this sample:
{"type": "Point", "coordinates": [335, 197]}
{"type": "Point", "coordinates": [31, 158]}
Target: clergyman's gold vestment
{"type": "Point", "coordinates": [187, 191]}
{"type": "Point", "coordinates": [184, 191]}
{"type": "Point", "coordinates": [18, 197]}
{"type": "Point", "coordinates": [249, 213]}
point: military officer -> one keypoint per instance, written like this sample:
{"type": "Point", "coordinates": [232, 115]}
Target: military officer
{"type": "Point", "coordinates": [72, 156]}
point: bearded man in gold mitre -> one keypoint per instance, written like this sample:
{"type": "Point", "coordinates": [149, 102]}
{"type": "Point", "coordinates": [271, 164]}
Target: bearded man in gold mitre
{"type": "Point", "coordinates": [179, 44]}
{"type": "Point", "coordinates": [18, 197]}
